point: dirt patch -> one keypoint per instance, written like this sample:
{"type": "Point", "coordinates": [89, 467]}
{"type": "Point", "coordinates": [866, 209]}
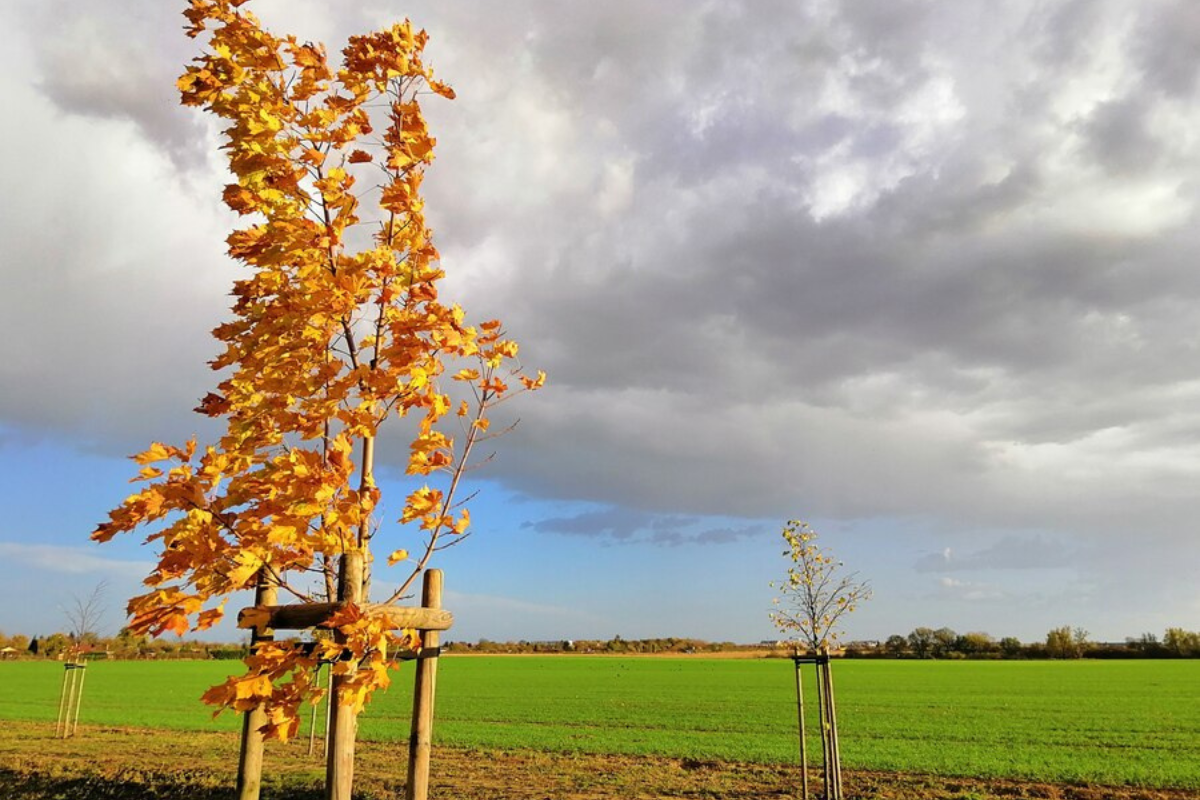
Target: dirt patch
{"type": "Point", "coordinates": [123, 764]}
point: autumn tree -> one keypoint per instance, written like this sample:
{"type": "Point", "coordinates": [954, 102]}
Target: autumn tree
{"type": "Point", "coordinates": [1181, 642]}
{"type": "Point", "coordinates": [1066, 642]}
{"type": "Point", "coordinates": [815, 595]}
{"type": "Point", "coordinates": [337, 327]}
{"type": "Point", "coordinates": [813, 599]}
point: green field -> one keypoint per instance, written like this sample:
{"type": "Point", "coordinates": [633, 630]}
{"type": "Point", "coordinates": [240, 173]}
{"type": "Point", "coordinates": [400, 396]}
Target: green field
{"type": "Point", "coordinates": [1128, 722]}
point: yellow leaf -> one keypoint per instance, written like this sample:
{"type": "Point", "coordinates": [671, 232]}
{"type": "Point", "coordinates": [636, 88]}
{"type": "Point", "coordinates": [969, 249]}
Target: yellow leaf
{"type": "Point", "coordinates": [147, 473]}
{"type": "Point", "coordinates": [156, 452]}
{"type": "Point", "coordinates": [421, 502]}
{"type": "Point", "coordinates": [257, 686]}
{"type": "Point", "coordinates": [534, 383]}
{"type": "Point", "coordinates": [397, 556]}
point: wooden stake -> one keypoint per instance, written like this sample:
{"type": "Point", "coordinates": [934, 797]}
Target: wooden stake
{"type": "Point", "coordinates": [81, 668]}
{"type": "Point", "coordinates": [339, 756]}
{"type": "Point", "coordinates": [835, 747]}
{"type": "Point", "coordinates": [60, 727]}
{"type": "Point", "coordinates": [803, 738]}
{"type": "Point", "coordinates": [328, 709]}
{"type": "Point", "coordinates": [420, 742]}
{"type": "Point", "coordinates": [250, 760]}
{"type": "Point", "coordinates": [312, 717]}
{"type": "Point", "coordinates": [822, 720]}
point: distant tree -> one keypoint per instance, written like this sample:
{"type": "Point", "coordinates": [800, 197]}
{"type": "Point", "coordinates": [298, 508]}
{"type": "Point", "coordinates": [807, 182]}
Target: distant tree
{"type": "Point", "coordinates": [1058, 642]}
{"type": "Point", "coordinates": [19, 641]}
{"type": "Point", "coordinates": [815, 596]}
{"type": "Point", "coordinates": [943, 641]}
{"type": "Point", "coordinates": [1011, 647]}
{"type": "Point", "coordinates": [54, 645]}
{"type": "Point", "coordinates": [34, 646]}
{"type": "Point", "coordinates": [84, 614]}
{"type": "Point", "coordinates": [921, 642]}
{"type": "Point", "coordinates": [896, 645]}
{"type": "Point", "coordinates": [1180, 642]}
{"type": "Point", "coordinates": [128, 644]}
{"type": "Point", "coordinates": [1146, 645]}
{"type": "Point", "coordinates": [976, 643]}
{"type": "Point", "coordinates": [1066, 642]}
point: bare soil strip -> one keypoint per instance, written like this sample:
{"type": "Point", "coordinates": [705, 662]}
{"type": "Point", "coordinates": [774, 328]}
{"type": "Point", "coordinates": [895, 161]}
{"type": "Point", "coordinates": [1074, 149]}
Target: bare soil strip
{"type": "Point", "coordinates": [122, 764]}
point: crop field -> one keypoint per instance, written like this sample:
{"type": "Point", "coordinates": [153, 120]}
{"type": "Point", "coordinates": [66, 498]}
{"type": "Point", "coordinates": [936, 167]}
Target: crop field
{"type": "Point", "coordinates": [1116, 723]}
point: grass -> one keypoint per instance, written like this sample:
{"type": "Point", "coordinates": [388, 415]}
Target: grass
{"type": "Point", "coordinates": [1115, 723]}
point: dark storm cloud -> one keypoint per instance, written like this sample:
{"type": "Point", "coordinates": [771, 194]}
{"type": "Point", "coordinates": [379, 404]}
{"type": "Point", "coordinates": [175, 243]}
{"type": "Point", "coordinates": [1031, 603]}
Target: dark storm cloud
{"type": "Point", "coordinates": [845, 260]}
{"type": "Point", "coordinates": [994, 295]}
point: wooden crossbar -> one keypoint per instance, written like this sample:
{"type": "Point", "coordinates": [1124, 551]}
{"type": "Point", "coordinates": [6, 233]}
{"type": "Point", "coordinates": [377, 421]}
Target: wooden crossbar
{"type": "Point", "coordinates": [316, 615]}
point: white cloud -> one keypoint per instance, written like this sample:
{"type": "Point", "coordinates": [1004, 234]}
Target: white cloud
{"type": "Point", "coordinates": [72, 560]}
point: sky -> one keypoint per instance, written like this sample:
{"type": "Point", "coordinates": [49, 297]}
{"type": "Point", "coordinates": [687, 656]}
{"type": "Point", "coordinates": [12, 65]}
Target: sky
{"type": "Point", "coordinates": [922, 274]}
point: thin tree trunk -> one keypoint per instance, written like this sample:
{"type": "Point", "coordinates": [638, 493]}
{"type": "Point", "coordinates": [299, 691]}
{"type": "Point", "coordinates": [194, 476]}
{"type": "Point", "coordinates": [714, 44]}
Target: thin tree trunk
{"type": "Point", "coordinates": [343, 718]}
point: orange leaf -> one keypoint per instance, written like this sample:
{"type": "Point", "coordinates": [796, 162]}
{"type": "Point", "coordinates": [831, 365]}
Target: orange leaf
{"type": "Point", "coordinates": [156, 452]}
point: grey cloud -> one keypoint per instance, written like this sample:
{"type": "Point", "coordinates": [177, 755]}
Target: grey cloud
{"type": "Point", "coordinates": [1167, 45]}
{"type": "Point", "coordinates": [727, 535]}
{"type": "Point", "coordinates": [1063, 33]}
{"type": "Point", "coordinates": [121, 66]}
{"type": "Point", "coordinates": [1007, 553]}
{"type": "Point", "coordinates": [614, 523]}
{"type": "Point", "coordinates": [623, 526]}
{"type": "Point", "coordinates": [1120, 136]}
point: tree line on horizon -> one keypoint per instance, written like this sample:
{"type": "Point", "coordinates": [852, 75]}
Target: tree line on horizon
{"type": "Point", "coordinates": [921, 643]}
{"type": "Point", "coordinates": [1059, 643]}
